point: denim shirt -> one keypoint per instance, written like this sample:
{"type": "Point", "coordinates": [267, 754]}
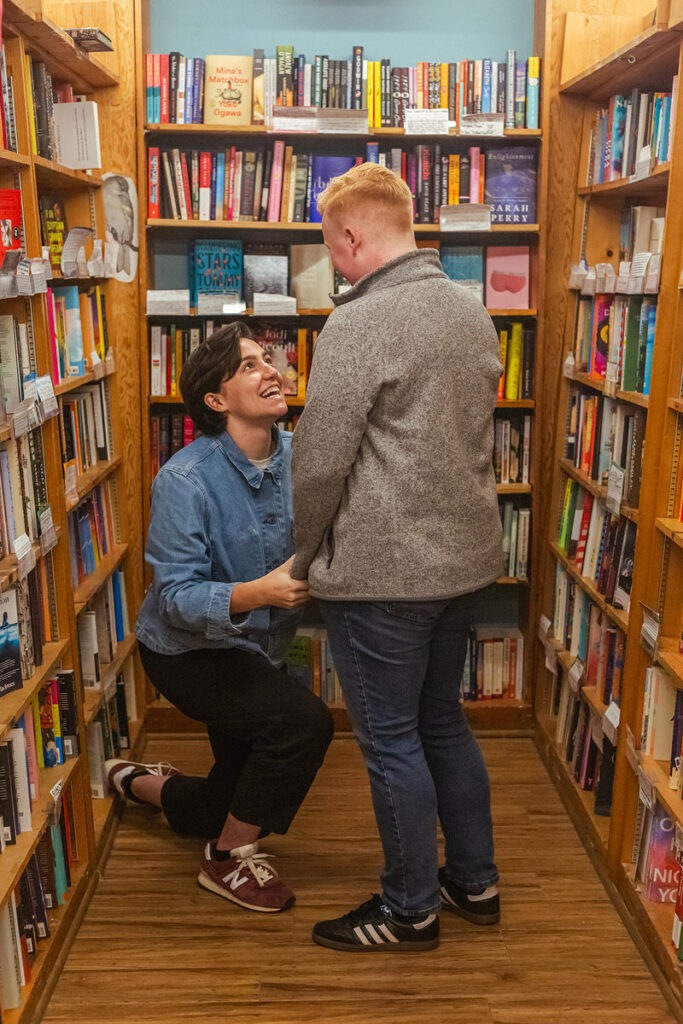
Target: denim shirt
{"type": "Point", "coordinates": [217, 520]}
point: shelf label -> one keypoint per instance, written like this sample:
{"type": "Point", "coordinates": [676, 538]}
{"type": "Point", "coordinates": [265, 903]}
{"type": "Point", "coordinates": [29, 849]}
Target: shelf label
{"type": "Point", "coordinates": [429, 122]}
{"type": "Point", "coordinates": [575, 675]}
{"type": "Point", "coordinates": [544, 627]}
{"type": "Point", "coordinates": [26, 556]}
{"type": "Point", "coordinates": [73, 255]}
{"type": "Point", "coordinates": [643, 163]}
{"type": "Point", "coordinates": [569, 366]}
{"type": "Point", "coordinates": [623, 276]}
{"type": "Point", "coordinates": [109, 361]}
{"type": "Point", "coordinates": [274, 305]}
{"type": "Point", "coordinates": [551, 659]}
{"type": "Point", "coordinates": [577, 275]}
{"type": "Point", "coordinates": [610, 722]}
{"type": "Point", "coordinates": [615, 488]}
{"type": "Point", "coordinates": [481, 124]}
{"type": "Point", "coordinates": [42, 390]}
{"type": "Point", "coordinates": [465, 217]}
{"type": "Point", "coordinates": [647, 790]}
{"type": "Point", "coordinates": [48, 534]}
{"type": "Point", "coordinates": [588, 285]}
{"type": "Point", "coordinates": [70, 482]}
{"type": "Point", "coordinates": [653, 272]}
{"type": "Point", "coordinates": [174, 301]}
{"type": "Point", "coordinates": [96, 365]}
{"type": "Point", "coordinates": [596, 729]}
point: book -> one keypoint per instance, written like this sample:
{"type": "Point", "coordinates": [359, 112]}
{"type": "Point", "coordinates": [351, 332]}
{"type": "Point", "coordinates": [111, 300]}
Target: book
{"type": "Point", "coordinates": [266, 270]}
{"type": "Point", "coordinates": [10, 220]}
{"type": "Point", "coordinates": [77, 135]}
{"type": "Point", "coordinates": [507, 277]}
{"type": "Point", "coordinates": [511, 183]}
{"type": "Point", "coordinates": [10, 657]}
{"type": "Point", "coordinates": [228, 90]}
{"type": "Point", "coordinates": [312, 276]}
{"type": "Point", "coordinates": [92, 39]}
{"type": "Point", "coordinates": [465, 265]}
{"type": "Point", "coordinates": [324, 169]}
{"type": "Point", "coordinates": [216, 268]}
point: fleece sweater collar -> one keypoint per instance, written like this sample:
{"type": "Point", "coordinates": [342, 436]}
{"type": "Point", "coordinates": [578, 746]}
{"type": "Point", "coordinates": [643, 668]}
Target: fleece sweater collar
{"type": "Point", "coordinates": [416, 265]}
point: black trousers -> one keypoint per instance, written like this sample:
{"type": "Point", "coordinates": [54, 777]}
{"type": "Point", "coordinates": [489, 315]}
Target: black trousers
{"type": "Point", "coordinates": [268, 733]}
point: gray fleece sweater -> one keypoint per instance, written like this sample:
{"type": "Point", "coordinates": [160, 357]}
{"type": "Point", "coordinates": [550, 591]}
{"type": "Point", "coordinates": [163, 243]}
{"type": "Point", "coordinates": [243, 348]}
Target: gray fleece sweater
{"type": "Point", "coordinates": [394, 491]}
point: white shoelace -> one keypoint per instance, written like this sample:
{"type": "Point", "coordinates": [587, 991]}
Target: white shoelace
{"type": "Point", "coordinates": [258, 866]}
{"type": "Point", "coordinates": [162, 768]}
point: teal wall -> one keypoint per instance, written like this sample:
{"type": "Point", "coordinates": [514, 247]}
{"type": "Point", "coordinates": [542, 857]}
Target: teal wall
{"type": "Point", "coordinates": [405, 31]}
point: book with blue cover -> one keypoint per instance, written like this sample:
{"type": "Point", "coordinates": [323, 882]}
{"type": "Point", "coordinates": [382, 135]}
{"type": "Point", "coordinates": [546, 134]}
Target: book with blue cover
{"type": "Point", "coordinates": [323, 170]}
{"type": "Point", "coordinates": [216, 267]}
{"type": "Point", "coordinates": [510, 187]}
{"type": "Point", "coordinates": [464, 264]}
{"type": "Point", "coordinates": [10, 655]}
{"type": "Point", "coordinates": [74, 341]}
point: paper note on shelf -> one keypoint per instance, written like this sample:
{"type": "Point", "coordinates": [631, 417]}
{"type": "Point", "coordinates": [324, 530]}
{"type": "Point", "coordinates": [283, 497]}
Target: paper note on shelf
{"type": "Point", "coordinates": [72, 260]}
{"type": "Point", "coordinates": [166, 300]}
{"type": "Point", "coordinates": [615, 488]}
{"type": "Point", "coordinates": [274, 305]}
{"type": "Point", "coordinates": [482, 124]}
{"type": "Point", "coordinates": [427, 122]}
{"type": "Point", "coordinates": [48, 534]}
{"type": "Point", "coordinates": [26, 556]}
{"type": "Point", "coordinates": [465, 217]}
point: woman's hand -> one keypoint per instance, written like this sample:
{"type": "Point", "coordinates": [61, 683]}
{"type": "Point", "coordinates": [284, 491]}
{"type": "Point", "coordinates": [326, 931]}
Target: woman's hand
{"type": "Point", "coordinates": [277, 588]}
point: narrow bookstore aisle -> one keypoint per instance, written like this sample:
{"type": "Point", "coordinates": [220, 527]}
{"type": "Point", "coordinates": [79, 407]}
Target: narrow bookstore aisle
{"type": "Point", "coordinates": [153, 947]}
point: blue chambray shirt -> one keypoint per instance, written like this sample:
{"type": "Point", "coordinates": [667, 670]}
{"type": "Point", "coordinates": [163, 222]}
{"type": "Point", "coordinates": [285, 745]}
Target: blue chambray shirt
{"type": "Point", "coordinates": [217, 520]}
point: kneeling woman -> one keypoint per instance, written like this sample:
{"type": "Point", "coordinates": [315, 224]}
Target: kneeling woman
{"type": "Point", "coordinates": [216, 622]}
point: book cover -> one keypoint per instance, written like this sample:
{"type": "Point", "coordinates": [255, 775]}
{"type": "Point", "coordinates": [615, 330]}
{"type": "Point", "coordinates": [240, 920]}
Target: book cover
{"type": "Point", "coordinates": [216, 268]}
{"type": "Point", "coordinates": [507, 277]}
{"type": "Point", "coordinates": [312, 276]}
{"type": "Point", "coordinates": [465, 265]}
{"type": "Point", "coordinates": [282, 344]}
{"type": "Point", "coordinates": [324, 169]}
{"type": "Point", "coordinates": [10, 220]}
{"type": "Point", "coordinates": [663, 871]}
{"type": "Point", "coordinates": [510, 184]}
{"type": "Point", "coordinates": [228, 90]}
{"type": "Point", "coordinates": [10, 659]}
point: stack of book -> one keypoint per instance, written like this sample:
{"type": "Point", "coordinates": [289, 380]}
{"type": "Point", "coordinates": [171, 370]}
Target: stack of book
{"type": "Point", "coordinates": [627, 126]}
{"type": "Point", "coordinates": [309, 661]}
{"type": "Point", "coordinates": [590, 755]}
{"type": "Point", "coordinates": [85, 427]}
{"type": "Point", "coordinates": [92, 532]}
{"type": "Point", "coordinates": [494, 666]}
{"type": "Point", "coordinates": [77, 322]}
{"type": "Point", "coordinates": [516, 525]}
{"type": "Point", "coordinates": [63, 126]}
{"type": "Point", "coordinates": [601, 432]}
{"type": "Point", "coordinates": [101, 628]}
{"type": "Point", "coordinates": [109, 732]}
{"type": "Point", "coordinates": [237, 90]}
{"type": "Point", "coordinates": [512, 449]}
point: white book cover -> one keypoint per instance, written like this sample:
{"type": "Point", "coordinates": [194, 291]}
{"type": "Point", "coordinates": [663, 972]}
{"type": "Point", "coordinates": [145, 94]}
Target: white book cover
{"type": "Point", "coordinates": [662, 700]}
{"type": "Point", "coordinates": [89, 650]}
{"type": "Point", "coordinates": [307, 85]}
{"type": "Point", "coordinates": [590, 560]}
{"type": "Point", "coordinates": [77, 135]}
{"type": "Point", "coordinates": [22, 788]}
{"type": "Point", "coordinates": [98, 774]}
{"type": "Point", "coordinates": [131, 697]}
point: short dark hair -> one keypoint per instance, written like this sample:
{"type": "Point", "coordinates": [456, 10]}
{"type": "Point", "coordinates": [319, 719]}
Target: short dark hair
{"type": "Point", "coordinates": [215, 360]}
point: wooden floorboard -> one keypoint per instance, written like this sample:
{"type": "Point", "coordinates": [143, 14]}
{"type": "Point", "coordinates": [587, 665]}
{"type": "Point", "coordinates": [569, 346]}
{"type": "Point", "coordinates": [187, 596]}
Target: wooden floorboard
{"type": "Point", "coordinates": [156, 949]}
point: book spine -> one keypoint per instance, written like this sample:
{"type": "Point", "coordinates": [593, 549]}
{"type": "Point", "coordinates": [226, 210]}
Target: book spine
{"type": "Point", "coordinates": [532, 92]}
{"type": "Point", "coordinates": [510, 89]}
{"type": "Point", "coordinates": [153, 206]}
{"type": "Point", "coordinates": [163, 89]}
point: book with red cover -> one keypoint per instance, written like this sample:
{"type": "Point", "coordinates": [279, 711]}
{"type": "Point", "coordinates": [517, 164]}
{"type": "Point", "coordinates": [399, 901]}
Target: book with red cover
{"type": "Point", "coordinates": [583, 532]}
{"type": "Point", "coordinates": [10, 220]}
{"type": "Point", "coordinates": [507, 277]}
{"type": "Point", "coordinates": [663, 871]}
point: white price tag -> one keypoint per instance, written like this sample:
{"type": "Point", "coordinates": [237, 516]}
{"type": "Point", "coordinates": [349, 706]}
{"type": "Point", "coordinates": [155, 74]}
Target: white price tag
{"type": "Point", "coordinates": [482, 124]}
{"type": "Point", "coordinates": [426, 122]}
{"type": "Point", "coordinates": [577, 274]}
{"type": "Point", "coordinates": [623, 276]}
{"type": "Point", "coordinates": [544, 627]}
{"type": "Point", "coordinates": [596, 730]}
{"type": "Point", "coordinates": [575, 675]}
{"type": "Point", "coordinates": [48, 534]}
{"type": "Point", "coordinates": [465, 217]}
{"type": "Point", "coordinates": [42, 390]}
{"type": "Point", "coordinates": [643, 163]}
{"type": "Point", "coordinates": [588, 286]}
{"type": "Point", "coordinates": [612, 372]}
{"type": "Point", "coordinates": [109, 361]}
{"type": "Point", "coordinates": [26, 415]}
{"type": "Point", "coordinates": [569, 366]}
{"type": "Point", "coordinates": [610, 722]}
{"type": "Point", "coordinates": [653, 272]}
{"type": "Point", "coordinates": [646, 789]}
{"type": "Point", "coordinates": [26, 556]}
{"type": "Point", "coordinates": [551, 659]}
{"type": "Point", "coordinates": [615, 488]}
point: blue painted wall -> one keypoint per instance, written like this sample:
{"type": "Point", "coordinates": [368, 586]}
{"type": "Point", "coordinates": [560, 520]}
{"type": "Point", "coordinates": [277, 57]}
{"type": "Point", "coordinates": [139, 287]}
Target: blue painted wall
{"type": "Point", "coordinates": [405, 31]}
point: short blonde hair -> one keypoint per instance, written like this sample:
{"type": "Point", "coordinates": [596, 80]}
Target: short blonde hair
{"type": "Point", "coordinates": [369, 185]}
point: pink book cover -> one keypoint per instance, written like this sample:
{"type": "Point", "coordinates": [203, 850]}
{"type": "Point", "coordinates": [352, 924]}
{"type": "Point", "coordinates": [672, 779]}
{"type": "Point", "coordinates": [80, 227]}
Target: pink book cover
{"type": "Point", "coordinates": [31, 755]}
{"type": "Point", "coordinates": [663, 871]}
{"type": "Point", "coordinates": [56, 379]}
{"type": "Point", "coordinates": [597, 366]}
{"type": "Point", "coordinates": [275, 195]}
{"type": "Point", "coordinates": [188, 430]}
{"type": "Point", "coordinates": [474, 174]}
{"type": "Point", "coordinates": [507, 277]}
{"type": "Point", "coordinates": [231, 187]}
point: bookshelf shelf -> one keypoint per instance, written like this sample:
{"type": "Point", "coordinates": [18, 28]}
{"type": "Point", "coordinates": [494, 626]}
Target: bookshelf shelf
{"type": "Point", "coordinates": [378, 133]}
{"type": "Point", "coordinates": [76, 382]}
{"type": "Point", "coordinates": [590, 695]}
{"type": "Point", "coordinates": [91, 478]}
{"type": "Point", "coordinates": [15, 858]}
{"type": "Point", "coordinates": [658, 772]}
{"type": "Point", "coordinates": [511, 581]}
{"type": "Point", "coordinates": [92, 583]}
{"type": "Point", "coordinates": [653, 185]}
{"type": "Point", "coordinates": [101, 809]}
{"type": "Point", "coordinates": [518, 403]}
{"type": "Point", "coordinates": [281, 226]}
{"type": "Point", "coordinates": [52, 175]}
{"type": "Point", "coordinates": [8, 158]}
{"type": "Point", "coordinates": [64, 58]}
{"type": "Point", "coordinates": [669, 527]}
{"type": "Point", "coordinates": [634, 398]}
{"type": "Point", "coordinates": [676, 404]}
{"type": "Point", "coordinates": [644, 63]}
{"type": "Point", "coordinates": [513, 488]}
{"type": "Point", "coordinates": [598, 384]}
{"type": "Point", "coordinates": [617, 615]}
{"type": "Point", "coordinates": [14, 703]}
{"type": "Point", "coordinates": [517, 314]}
{"type": "Point", "coordinates": [5, 432]}
{"type": "Point", "coordinates": [670, 659]}
{"type": "Point", "coordinates": [595, 488]}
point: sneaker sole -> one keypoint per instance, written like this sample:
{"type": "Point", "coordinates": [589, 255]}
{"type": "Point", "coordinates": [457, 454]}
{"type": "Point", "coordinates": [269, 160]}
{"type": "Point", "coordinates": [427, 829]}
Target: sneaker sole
{"type": "Point", "coordinates": [467, 914]}
{"type": "Point", "coordinates": [206, 883]}
{"type": "Point", "coordinates": [388, 947]}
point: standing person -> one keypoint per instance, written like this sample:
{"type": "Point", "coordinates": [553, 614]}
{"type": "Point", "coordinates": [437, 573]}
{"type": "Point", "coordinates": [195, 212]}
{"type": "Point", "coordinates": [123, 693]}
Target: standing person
{"type": "Point", "coordinates": [216, 622]}
{"type": "Point", "coordinates": [398, 533]}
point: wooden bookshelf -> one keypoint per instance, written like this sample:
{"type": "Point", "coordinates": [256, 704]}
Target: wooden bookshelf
{"type": "Point", "coordinates": [589, 216]}
{"type": "Point", "coordinates": [160, 231]}
{"type": "Point", "coordinates": [110, 80]}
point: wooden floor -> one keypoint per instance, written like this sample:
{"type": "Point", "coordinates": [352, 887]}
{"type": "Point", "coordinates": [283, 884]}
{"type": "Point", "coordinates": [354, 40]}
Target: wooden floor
{"type": "Point", "coordinates": [156, 949]}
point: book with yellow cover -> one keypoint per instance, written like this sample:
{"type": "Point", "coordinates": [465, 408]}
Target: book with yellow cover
{"type": "Point", "coordinates": [228, 90]}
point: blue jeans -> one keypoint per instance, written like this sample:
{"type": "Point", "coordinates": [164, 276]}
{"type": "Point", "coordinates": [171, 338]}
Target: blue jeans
{"type": "Point", "coordinates": [400, 665]}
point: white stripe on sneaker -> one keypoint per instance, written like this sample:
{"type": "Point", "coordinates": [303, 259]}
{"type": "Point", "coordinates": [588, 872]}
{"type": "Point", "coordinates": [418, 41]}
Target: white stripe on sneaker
{"type": "Point", "coordinates": [373, 934]}
{"type": "Point", "coordinates": [389, 934]}
{"type": "Point", "coordinates": [424, 924]}
{"type": "Point", "coordinates": [360, 934]}
{"type": "Point", "coordinates": [487, 894]}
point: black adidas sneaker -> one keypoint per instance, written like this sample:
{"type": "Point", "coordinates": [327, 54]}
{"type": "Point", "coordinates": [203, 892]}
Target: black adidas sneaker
{"type": "Point", "coordinates": [480, 908]}
{"type": "Point", "coordinates": [373, 928]}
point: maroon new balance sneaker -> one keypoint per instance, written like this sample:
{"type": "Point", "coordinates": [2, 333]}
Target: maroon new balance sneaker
{"type": "Point", "coordinates": [245, 878]}
{"type": "Point", "coordinates": [121, 773]}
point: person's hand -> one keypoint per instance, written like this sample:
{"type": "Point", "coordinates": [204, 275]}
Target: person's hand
{"type": "Point", "coordinates": [277, 588]}
{"type": "Point", "coordinates": [281, 590]}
